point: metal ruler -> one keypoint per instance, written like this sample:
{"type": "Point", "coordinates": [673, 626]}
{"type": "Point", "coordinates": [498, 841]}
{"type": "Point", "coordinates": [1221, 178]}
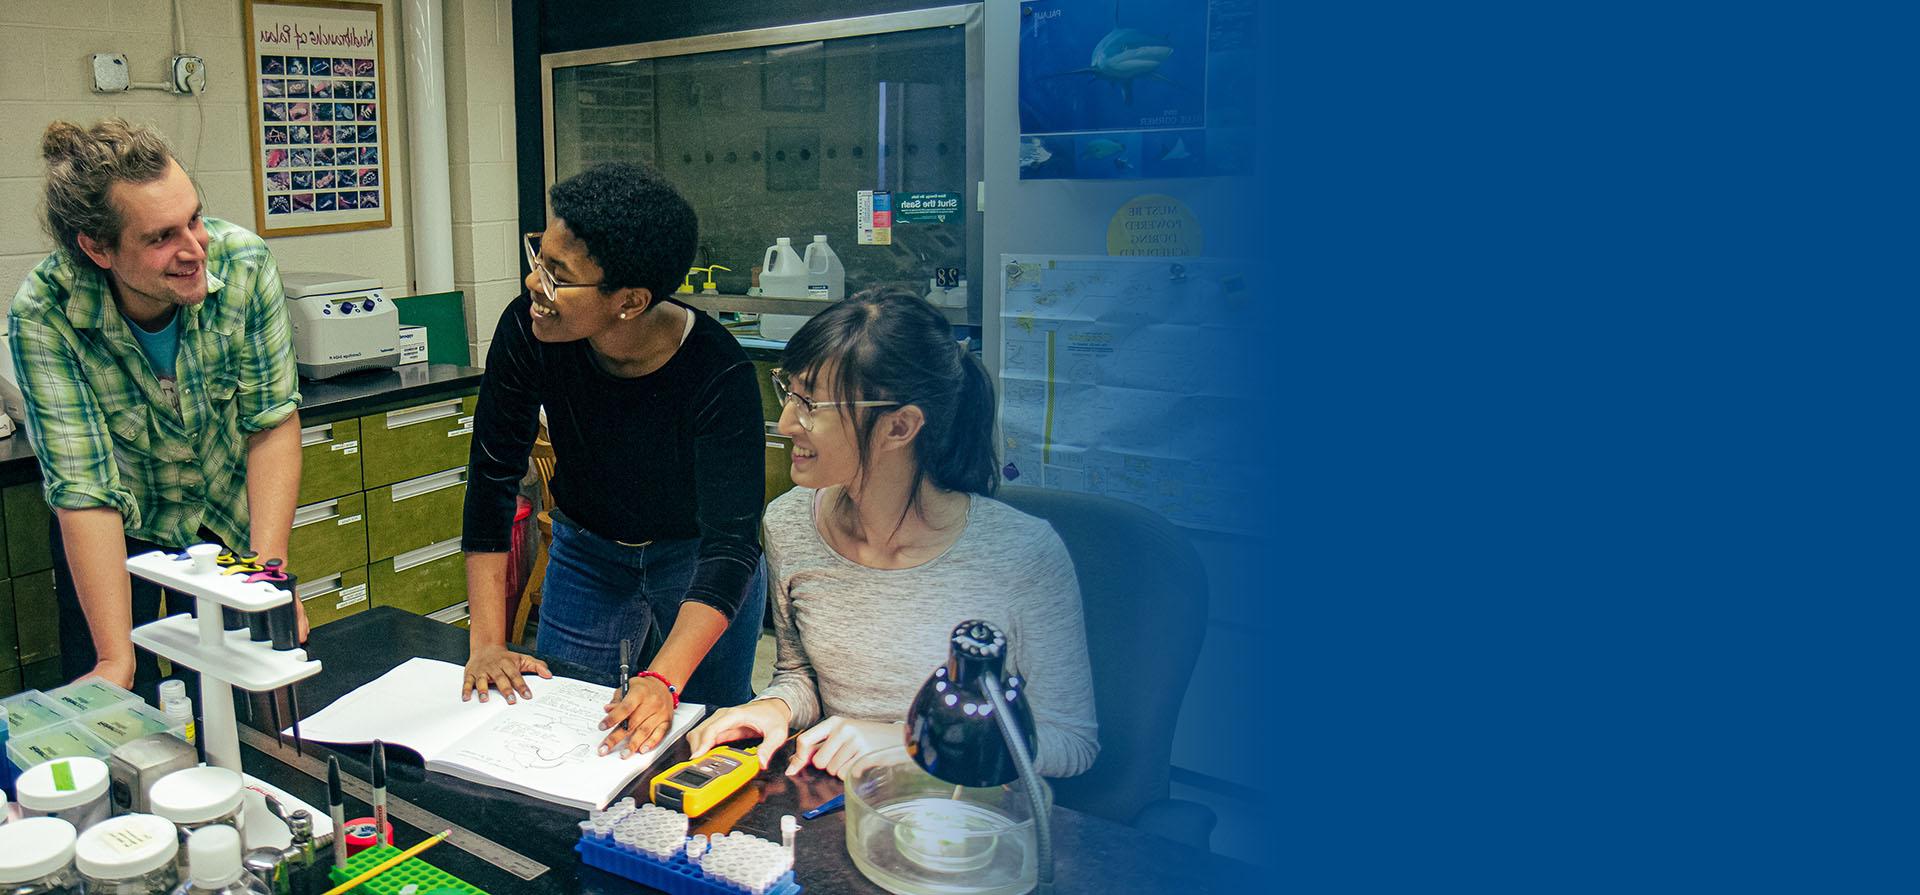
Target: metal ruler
{"type": "Point", "coordinates": [400, 809]}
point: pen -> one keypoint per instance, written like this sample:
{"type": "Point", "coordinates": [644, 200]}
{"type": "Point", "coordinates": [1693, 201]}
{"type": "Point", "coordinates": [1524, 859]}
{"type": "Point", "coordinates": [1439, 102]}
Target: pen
{"type": "Point", "coordinates": [826, 807]}
{"type": "Point", "coordinates": [380, 836]}
{"type": "Point", "coordinates": [626, 670]}
{"type": "Point", "coordinates": [337, 812]}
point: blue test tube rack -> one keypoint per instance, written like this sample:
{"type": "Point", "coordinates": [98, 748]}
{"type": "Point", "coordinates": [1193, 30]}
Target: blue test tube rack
{"type": "Point", "coordinates": [677, 875]}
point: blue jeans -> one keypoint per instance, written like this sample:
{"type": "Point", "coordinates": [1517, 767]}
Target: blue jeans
{"type": "Point", "coordinates": [598, 591]}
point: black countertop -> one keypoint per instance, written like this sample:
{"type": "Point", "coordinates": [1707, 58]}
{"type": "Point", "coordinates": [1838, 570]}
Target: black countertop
{"type": "Point", "coordinates": [372, 391]}
{"type": "Point", "coordinates": [1092, 855]}
{"type": "Point", "coordinates": [322, 401]}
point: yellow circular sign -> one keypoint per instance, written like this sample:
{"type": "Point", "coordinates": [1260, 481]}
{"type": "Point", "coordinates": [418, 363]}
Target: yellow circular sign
{"type": "Point", "coordinates": [1154, 225]}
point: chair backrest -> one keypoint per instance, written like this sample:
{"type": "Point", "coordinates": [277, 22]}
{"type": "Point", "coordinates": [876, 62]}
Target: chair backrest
{"type": "Point", "coordinates": [543, 460]}
{"type": "Point", "coordinates": [1144, 594]}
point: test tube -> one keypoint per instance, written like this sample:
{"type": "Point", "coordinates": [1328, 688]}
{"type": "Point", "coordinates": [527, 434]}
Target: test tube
{"type": "Point", "coordinates": [283, 621]}
{"type": "Point", "coordinates": [789, 825]}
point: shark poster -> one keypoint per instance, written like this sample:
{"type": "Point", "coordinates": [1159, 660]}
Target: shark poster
{"type": "Point", "coordinates": [1120, 89]}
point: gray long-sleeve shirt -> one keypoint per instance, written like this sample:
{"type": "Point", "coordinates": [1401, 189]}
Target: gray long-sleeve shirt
{"type": "Point", "coordinates": [858, 642]}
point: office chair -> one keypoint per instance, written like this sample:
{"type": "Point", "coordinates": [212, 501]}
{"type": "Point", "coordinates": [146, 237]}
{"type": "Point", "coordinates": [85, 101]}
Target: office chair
{"type": "Point", "coordinates": [1143, 592]}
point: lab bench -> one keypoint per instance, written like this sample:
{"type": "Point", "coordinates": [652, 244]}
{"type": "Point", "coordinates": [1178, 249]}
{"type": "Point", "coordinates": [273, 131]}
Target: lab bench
{"type": "Point", "coordinates": [383, 479]}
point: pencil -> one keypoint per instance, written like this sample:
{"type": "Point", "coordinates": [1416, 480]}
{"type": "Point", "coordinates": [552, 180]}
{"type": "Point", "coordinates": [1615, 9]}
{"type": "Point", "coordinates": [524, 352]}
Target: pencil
{"type": "Point", "coordinates": [387, 865]}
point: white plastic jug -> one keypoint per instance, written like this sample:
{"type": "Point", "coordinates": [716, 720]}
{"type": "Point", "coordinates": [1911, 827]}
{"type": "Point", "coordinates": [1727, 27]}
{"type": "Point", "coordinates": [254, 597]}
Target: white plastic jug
{"type": "Point", "coordinates": [782, 272]}
{"type": "Point", "coordinates": [826, 278]}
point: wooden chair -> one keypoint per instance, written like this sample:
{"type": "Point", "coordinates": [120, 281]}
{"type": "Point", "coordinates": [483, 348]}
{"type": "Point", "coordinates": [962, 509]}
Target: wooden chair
{"type": "Point", "coordinates": [529, 597]}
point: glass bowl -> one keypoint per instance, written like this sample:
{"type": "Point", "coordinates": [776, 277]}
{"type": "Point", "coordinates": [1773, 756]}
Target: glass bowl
{"type": "Point", "coordinates": [914, 834]}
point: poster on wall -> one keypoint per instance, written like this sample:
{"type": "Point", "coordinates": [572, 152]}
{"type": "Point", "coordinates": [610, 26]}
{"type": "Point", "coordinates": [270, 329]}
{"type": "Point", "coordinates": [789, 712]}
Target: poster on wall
{"type": "Point", "coordinates": [318, 98]}
{"type": "Point", "coordinates": [1101, 392]}
{"type": "Point", "coordinates": [1127, 89]}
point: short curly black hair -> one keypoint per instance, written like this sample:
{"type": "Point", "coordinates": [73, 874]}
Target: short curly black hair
{"type": "Point", "coordinates": [635, 225]}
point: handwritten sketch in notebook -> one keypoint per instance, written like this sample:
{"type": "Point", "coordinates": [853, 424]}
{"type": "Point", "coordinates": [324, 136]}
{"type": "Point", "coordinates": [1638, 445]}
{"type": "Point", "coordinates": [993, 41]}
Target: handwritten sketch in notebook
{"type": "Point", "coordinates": [560, 728]}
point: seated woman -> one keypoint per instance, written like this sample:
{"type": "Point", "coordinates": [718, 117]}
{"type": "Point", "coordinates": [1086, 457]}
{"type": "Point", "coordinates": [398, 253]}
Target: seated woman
{"type": "Point", "coordinates": [890, 539]}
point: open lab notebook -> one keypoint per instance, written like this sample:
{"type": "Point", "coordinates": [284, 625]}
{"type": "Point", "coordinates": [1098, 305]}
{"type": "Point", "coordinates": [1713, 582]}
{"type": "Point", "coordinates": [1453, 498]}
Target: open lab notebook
{"type": "Point", "coordinates": [545, 747]}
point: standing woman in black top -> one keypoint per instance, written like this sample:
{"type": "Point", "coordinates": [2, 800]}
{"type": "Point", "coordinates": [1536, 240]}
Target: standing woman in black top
{"type": "Point", "coordinates": [654, 414]}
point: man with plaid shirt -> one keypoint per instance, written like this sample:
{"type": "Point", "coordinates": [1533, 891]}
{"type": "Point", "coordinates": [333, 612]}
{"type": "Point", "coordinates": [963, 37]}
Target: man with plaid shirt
{"type": "Point", "coordinates": [154, 353]}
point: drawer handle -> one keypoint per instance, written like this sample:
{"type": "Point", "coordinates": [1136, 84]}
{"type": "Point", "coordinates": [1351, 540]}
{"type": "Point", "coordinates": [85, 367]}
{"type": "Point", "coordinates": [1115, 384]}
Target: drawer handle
{"type": "Point", "coordinates": [428, 484]}
{"type": "Point", "coordinates": [426, 554]}
{"type": "Point", "coordinates": [424, 413]}
{"type": "Point", "coordinates": [313, 435]}
{"type": "Point", "coordinates": [450, 615]}
{"type": "Point", "coordinates": [316, 512]}
{"type": "Point", "coordinates": [307, 590]}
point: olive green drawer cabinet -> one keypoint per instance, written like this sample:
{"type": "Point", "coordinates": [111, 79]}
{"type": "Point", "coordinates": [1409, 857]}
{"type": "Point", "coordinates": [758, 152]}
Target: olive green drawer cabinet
{"type": "Point", "coordinates": [335, 596]}
{"type": "Point", "coordinates": [414, 442]}
{"type": "Point", "coordinates": [29, 621]}
{"type": "Point", "coordinates": [377, 524]}
{"type": "Point", "coordinates": [329, 460]}
{"type": "Point", "coordinates": [381, 501]}
{"type": "Point", "coordinates": [329, 537]}
{"type": "Point", "coordinates": [412, 514]}
{"type": "Point", "coordinates": [423, 581]}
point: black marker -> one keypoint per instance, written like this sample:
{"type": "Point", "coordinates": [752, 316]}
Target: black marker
{"type": "Point", "coordinates": [380, 836]}
{"type": "Point", "coordinates": [337, 811]}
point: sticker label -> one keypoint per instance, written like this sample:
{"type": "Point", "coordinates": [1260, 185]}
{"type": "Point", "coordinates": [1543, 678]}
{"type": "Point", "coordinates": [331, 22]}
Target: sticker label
{"type": "Point", "coordinates": [63, 777]}
{"type": "Point", "coordinates": [347, 520]}
{"type": "Point", "coordinates": [926, 208]}
{"type": "Point", "coordinates": [874, 218]}
{"type": "Point", "coordinates": [127, 840]}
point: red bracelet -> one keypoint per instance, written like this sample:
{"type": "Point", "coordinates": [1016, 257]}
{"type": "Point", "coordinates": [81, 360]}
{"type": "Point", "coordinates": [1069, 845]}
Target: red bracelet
{"type": "Point", "coordinates": [671, 689]}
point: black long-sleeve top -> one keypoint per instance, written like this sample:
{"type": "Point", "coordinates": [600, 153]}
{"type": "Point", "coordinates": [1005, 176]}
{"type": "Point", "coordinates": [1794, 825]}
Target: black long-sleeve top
{"type": "Point", "coordinates": [677, 453]}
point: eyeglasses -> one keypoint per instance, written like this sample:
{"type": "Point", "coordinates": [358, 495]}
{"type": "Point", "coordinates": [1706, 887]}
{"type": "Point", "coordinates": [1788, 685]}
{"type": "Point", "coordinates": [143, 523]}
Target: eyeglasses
{"type": "Point", "coordinates": [804, 414]}
{"type": "Point", "coordinates": [548, 285]}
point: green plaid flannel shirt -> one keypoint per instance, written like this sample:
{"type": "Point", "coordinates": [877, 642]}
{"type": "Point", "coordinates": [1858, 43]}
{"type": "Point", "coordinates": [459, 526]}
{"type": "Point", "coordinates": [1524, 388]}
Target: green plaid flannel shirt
{"type": "Point", "coordinates": [105, 435]}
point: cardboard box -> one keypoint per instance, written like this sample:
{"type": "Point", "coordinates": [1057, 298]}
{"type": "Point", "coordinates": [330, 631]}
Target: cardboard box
{"type": "Point", "coordinates": [413, 344]}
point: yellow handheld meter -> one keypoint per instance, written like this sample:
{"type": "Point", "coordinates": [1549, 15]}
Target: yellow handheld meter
{"type": "Point", "coordinates": [699, 783]}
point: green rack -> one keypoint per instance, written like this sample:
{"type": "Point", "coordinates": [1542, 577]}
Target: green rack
{"type": "Point", "coordinates": [414, 872]}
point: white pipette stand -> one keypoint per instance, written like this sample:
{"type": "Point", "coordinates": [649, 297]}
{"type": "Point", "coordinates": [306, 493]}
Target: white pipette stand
{"type": "Point", "coordinates": [225, 659]}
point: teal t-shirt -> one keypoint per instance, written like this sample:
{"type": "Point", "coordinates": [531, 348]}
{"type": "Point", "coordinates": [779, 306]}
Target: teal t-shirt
{"type": "Point", "coordinates": [160, 348]}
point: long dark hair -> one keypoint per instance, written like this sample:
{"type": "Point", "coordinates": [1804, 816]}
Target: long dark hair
{"type": "Point", "coordinates": [888, 344]}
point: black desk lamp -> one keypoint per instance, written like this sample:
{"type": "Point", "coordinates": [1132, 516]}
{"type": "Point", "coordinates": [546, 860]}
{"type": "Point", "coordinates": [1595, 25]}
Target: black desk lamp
{"type": "Point", "coordinates": [971, 726]}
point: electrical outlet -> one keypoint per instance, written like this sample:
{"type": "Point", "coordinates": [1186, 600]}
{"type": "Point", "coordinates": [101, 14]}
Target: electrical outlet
{"type": "Point", "coordinates": [189, 74]}
{"type": "Point", "coordinates": [110, 73]}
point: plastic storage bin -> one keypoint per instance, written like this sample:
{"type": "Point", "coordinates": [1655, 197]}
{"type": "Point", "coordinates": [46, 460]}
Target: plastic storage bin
{"type": "Point", "coordinates": [66, 740]}
{"type": "Point", "coordinates": [122, 723]}
{"type": "Point", "coordinates": [90, 695]}
{"type": "Point", "coordinates": [33, 710]}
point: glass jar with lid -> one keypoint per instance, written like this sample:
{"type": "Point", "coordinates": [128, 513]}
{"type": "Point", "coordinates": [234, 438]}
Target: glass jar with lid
{"type": "Point", "coordinates": [133, 854]}
{"type": "Point", "coordinates": [36, 858]}
{"type": "Point", "coordinates": [198, 797]}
